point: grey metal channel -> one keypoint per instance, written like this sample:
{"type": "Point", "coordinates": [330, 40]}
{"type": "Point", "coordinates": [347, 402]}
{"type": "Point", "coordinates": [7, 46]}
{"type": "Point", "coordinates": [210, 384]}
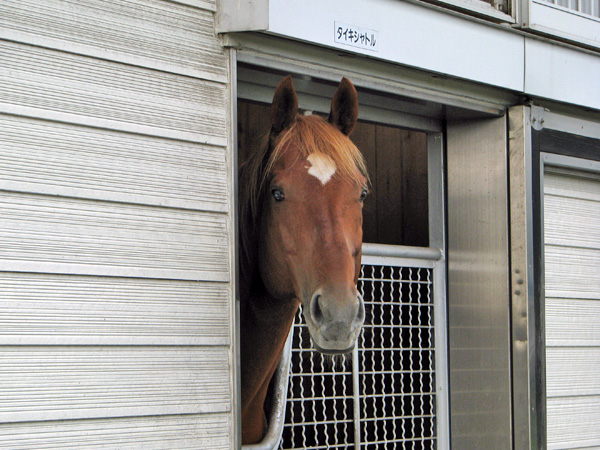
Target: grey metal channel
{"type": "Point", "coordinates": [383, 396]}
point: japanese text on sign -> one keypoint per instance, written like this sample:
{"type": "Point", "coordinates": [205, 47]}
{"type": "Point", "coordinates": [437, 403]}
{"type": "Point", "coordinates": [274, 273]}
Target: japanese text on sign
{"type": "Point", "coordinates": [356, 37]}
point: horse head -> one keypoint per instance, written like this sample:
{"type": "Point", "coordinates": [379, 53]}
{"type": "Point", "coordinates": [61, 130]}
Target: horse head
{"type": "Point", "coordinates": [314, 182]}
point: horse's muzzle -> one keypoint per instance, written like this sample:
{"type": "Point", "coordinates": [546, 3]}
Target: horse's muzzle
{"type": "Point", "coordinates": [332, 352]}
{"type": "Point", "coordinates": [335, 320]}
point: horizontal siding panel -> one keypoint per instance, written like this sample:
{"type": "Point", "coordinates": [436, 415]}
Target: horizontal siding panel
{"type": "Point", "coordinates": [188, 432]}
{"type": "Point", "coordinates": [572, 222]}
{"type": "Point", "coordinates": [572, 371]}
{"type": "Point", "coordinates": [569, 184]}
{"type": "Point", "coordinates": [572, 272]}
{"type": "Point", "coordinates": [572, 309]}
{"type": "Point", "coordinates": [572, 322]}
{"type": "Point", "coordinates": [209, 5]}
{"type": "Point", "coordinates": [574, 422]}
{"type": "Point", "coordinates": [62, 235]}
{"type": "Point", "coordinates": [114, 228]}
{"type": "Point", "coordinates": [42, 309]}
{"type": "Point", "coordinates": [61, 159]}
{"type": "Point", "coordinates": [158, 34]}
{"type": "Point", "coordinates": [59, 383]}
{"type": "Point", "coordinates": [58, 86]}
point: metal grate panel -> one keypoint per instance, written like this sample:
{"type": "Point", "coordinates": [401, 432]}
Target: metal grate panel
{"type": "Point", "coordinates": [382, 396]}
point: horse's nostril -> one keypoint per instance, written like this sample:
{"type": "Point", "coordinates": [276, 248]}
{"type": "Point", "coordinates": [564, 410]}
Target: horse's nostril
{"type": "Point", "coordinates": [315, 309]}
{"type": "Point", "coordinates": [361, 310]}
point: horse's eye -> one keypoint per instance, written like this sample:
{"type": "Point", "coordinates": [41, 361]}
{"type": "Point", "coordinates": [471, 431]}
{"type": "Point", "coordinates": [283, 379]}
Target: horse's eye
{"type": "Point", "coordinates": [278, 195]}
{"type": "Point", "coordinates": [363, 194]}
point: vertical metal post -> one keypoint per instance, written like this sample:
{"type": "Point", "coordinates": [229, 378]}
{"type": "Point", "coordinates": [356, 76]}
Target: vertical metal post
{"type": "Point", "coordinates": [442, 416]}
{"type": "Point", "coordinates": [356, 394]}
{"type": "Point", "coordinates": [236, 384]}
{"type": "Point", "coordinates": [440, 319]}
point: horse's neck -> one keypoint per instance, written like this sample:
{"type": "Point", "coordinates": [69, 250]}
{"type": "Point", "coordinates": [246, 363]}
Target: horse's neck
{"type": "Point", "coordinates": [265, 324]}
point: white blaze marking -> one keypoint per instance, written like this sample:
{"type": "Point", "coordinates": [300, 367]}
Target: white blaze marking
{"type": "Point", "coordinates": [322, 167]}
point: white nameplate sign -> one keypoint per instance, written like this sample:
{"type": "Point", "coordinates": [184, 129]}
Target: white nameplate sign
{"type": "Point", "coordinates": [356, 37]}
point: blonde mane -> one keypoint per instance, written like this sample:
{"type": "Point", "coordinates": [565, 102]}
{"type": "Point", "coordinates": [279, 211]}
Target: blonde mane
{"type": "Point", "coordinates": [309, 135]}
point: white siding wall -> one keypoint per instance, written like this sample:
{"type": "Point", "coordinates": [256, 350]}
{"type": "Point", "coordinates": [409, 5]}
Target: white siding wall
{"type": "Point", "coordinates": [115, 266]}
{"type": "Point", "coordinates": [572, 261]}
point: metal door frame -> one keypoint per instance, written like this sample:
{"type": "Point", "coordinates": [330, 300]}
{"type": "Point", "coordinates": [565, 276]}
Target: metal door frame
{"type": "Point", "coordinates": [528, 124]}
{"type": "Point", "coordinates": [435, 255]}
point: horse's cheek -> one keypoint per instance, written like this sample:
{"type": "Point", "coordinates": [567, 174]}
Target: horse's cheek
{"type": "Point", "coordinates": [287, 233]}
{"type": "Point", "coordinates": [274, 277]}
{"type": "Point", "coordinates": [273, 257]}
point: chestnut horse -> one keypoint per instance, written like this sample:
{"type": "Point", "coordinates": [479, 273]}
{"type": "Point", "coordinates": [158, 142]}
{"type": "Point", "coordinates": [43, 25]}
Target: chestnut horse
{"type": "Point", "coordinates": [301, 198]}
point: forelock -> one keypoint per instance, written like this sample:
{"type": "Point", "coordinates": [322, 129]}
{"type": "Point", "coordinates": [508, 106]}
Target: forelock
{"type": "Point", "coordinates": [313, 135]}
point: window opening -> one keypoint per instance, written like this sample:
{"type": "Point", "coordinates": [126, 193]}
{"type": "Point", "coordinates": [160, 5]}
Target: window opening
{"type": "Point", "coordinates": [385, 394]}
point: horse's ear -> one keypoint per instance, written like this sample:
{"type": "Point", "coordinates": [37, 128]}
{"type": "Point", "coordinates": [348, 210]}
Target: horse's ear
{"type": "Point", "coordinates": [344, 107]}
{"type": "Point", "coordinates": [285, 105]}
